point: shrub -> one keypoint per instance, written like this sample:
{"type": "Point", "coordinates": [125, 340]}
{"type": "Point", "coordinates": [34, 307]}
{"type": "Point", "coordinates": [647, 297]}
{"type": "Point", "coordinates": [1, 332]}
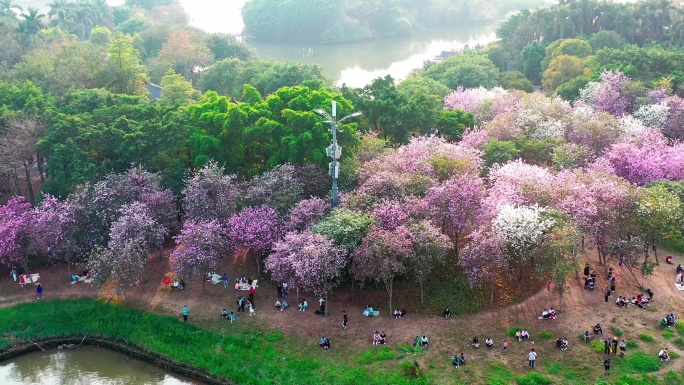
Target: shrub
{"type": "Point", "coordinates": [273, 336]}
{"type": "Point", "coordinates": [641, 363]}
{"type": "Point", "coordinates": [373, 355]}
{"type": "Point", "coordinates": [597, 346]}
{"type": "Point", "coordinates": [632, 344]}
{"type": "Point", "coordinates": [668, 334]}
{"type": "Point", "coordinates": [646, 338]}
{"type": "Point", "coordinates": [617, 331]}
{"type": "Point", "coordinates": [674, 355]}
{"type": "Point", "coordinates": [652, 309]}
{"type": "Point", "coordinates": [545, 335]}
{"type": "Point", "coordinates": [533, 378]}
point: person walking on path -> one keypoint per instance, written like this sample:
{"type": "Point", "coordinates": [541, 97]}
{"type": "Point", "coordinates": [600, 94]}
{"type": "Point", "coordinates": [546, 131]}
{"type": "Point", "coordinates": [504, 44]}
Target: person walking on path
{"type": "Point", "coordinates": [280, 290]}
{"type": "Point", "coordinates": [344, 320]}
{"type": "Point", "coordinates": [251, 309]}
{"type": "Point", "coordinates": [241, 304]}
{"type": "Point", "coordinates": [505, 345]}
{"type": "Point", "coordinates": [251, 294]}
{"type": "Point", "coordinates": [14, 273]}
{"type": "Point", "coordinates": [186, 313]}
{"type": "Point", "coordinates": [225, 280]}
{"type": "Point", "coordinates": [612, 285]}
{"type": "Point", "coordinates": [606, 366]}
{"type": "Point", "coordinates": [39, 291]}
{"type": "Point", "coordinates": [605, 298]}
{"type": "Point", "coordinates": [548, 287]}
{"type": "Point", "coordinates": [532, 356]}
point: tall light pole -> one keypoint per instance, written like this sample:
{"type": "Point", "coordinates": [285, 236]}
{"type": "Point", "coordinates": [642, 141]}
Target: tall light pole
{"type": "Point", "coordinates": [334, 151]}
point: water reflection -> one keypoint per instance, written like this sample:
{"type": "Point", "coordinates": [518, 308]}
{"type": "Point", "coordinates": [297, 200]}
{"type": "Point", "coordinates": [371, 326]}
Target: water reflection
{"type": "Point", "coordinates": [87, 366]}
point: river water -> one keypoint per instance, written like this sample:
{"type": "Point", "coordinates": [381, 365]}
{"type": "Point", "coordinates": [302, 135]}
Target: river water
{"type": "Point", "coordinates": [355, 64]}
{"type": "Point", "coordinates": [85, 365]}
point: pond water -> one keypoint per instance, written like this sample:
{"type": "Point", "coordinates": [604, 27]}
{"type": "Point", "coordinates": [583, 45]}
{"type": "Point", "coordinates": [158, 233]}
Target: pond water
{"type": "Point", "coordinates": [85, 365]}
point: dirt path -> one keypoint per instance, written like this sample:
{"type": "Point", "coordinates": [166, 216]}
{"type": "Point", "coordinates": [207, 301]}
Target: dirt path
{"type": "Point", "coordinates": [581, 311]}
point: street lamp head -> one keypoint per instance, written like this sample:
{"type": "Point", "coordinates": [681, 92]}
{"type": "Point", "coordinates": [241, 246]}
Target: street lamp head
{"type": "Point", "coordinates": [355, 114]}
{"type": "Point", "coordinates": [323, 113]}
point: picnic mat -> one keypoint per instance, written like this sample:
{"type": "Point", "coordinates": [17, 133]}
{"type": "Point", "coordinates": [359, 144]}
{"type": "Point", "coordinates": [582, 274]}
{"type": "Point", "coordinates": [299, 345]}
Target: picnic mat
{"type": "Point", "coordinates": [679, 286]}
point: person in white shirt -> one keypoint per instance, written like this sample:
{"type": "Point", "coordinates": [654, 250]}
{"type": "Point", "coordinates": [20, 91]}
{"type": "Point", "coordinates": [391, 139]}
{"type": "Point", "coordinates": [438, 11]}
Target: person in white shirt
{"type": "Point", "coordinates": [532, 357]}
{"type": "Point", "coordinates": [489, 342]}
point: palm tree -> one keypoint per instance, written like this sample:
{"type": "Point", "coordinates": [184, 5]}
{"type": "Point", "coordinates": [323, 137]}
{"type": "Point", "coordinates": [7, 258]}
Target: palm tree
{"type": "Point", "coordinates": [9, 9]}
{"type": "Point", "coordinates": [30, 24]}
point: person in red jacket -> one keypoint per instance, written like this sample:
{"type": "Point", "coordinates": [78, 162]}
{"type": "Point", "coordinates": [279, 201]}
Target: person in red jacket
{"type": "Point", "coordinates": [251, 294]}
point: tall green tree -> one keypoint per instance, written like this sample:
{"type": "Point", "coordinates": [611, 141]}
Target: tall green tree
{"type": "Point", "coordinates": [125, 74]}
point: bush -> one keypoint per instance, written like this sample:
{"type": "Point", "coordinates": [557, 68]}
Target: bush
{"type": "Point", "coordinates": [597, 346]}
{"type": "Point", "coordinates": [533, 378]}
{"type": "Point", "coordinates": [273, 336]}
{"type": "Point", "coordinates": [632, 344]}
{"type": "Point", "coordinates": [618, 332]}
{"type": "Point", "coordinates": [646, 338]}
{"type": "Point", "coordinates": [641, 363]}
{"type": "Point", "coordinates": [545, 335]}
{"type": "Point", "coordinates": [668, 334]}
{"type": "Point", "coordinates": [652, 309]}
{"type": "Point", "coordinates": [373, 355]}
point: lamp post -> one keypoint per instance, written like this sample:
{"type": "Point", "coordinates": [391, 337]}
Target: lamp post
{"type": "Point", "coordinates": [334, 151]}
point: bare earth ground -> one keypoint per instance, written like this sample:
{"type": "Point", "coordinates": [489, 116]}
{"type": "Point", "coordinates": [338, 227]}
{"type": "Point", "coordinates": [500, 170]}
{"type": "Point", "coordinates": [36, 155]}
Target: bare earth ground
{"type": "Point", "coordinates": [580, 312]}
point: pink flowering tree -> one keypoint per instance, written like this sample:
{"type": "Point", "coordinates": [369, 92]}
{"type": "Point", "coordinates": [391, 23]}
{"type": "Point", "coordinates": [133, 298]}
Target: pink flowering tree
{"type": "Point", "coordinates": [199, 246]}
{"type": "Point", "coordinates": [162, 207]}
{"type": "Point", "coordinates": [674, 127]}
{"type": "Point", "coordinates": [430, 248]}
{"type": "Point", "coordinates": [309, 262]}
{"type": "Point", "coordinates": [482, 257]}
{"type": "Point", "coordinates": [453, 206]}
{"type": "Point", "coordinates": [209, 194]}
{"type": "Point", "coordinates": [55, 230]}
{"type": "Point", "coordinates": [16, 240]}
{"type": "Point", "coordinates": [607, 95]}
{"type": "Point", "coordinates": [279, 188]}
{"type": "Point", "coordinates": [255, 229]}
{"type": "Point", "coordinates": [391, 214]}
{"type": "Point", "coordinates": [132, 237]}
{"type": "Point", "coordinates": [382, 256]}
{"type": "Point", "coordinates": [307, 213]}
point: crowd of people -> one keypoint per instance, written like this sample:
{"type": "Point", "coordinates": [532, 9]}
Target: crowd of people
{"type": "Point", "coordinates": [379, 338]}
{"type": "Point", "coordinates": [562, 343]}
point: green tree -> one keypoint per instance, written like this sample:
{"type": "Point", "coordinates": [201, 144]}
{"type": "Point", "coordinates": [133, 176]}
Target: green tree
{"type": "Point", "coordinates": [530, 61]}
{"type": "Point", "coordinates": [606, 39]}
{"type": "Point", "coordinates": [225, 46]}
{"type": "Point", "coordinates": [30, 23]}
{"type": "Point", "coordinates": [452, 123]}
{"type": "Point", "coordinates": [570, 90]}
{"type": "Point", "coordinates": [125, 74]}
{"type": "Point", "coordinates": [468, 70]}
{"type": "Point", "coordinates": [515, 80]}
{"type": "Point", "coordinates": [660, 214]}
{"type": "Point", "coordinates": [176, 90]}
{"type": "Point", "coordinates": [499, 152]}
{"type": "Point", "coordinates": [562, 69]}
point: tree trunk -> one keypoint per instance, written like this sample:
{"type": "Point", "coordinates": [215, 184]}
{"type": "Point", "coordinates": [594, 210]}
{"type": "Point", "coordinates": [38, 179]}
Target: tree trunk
{"type": "Point", "coordinates": [39, 163]}
{"type": "Point", "coordinates": [389, 292]}
{"type": "Point", "coordinates": [655, 251]}
{"type": "Point", "coordinates": [327, 306]}
{"type": "Point", "coordinates": [29, 185]}
{"type": "Point", "coordinates": [422, 302]}
{"type": "Point", "coordinates": [204, 282]}
{"type": "Point", "coordinates": [491, 295]}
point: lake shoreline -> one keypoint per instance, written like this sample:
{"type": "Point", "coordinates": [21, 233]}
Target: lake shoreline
{"type": "Point", "coordinates": [115, 345]}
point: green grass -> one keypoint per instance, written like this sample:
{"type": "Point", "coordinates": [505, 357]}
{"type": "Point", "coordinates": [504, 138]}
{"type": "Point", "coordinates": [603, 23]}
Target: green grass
{"type": "Point", "coordinates": [679, 342]}
{"type": "Point", "coordinates": [640, 363]}
{"type": "Point", "coordinates": [632, 344]}
{"type": "Point", "coordinates": [617, 331]}
{"type": "Point", "coordinates": [511, 331]}
{"type": "Point", "coordinates": [373, 355]}
{"type": "Point", "coordinates": [652, 309]}
{"type": "Point", "coordinates": [597, 346]}
{"type": "Point", "coordinates": [668, 334]}
{"type": "Point", "coordinates": [497, 374]}
{"type": "Point", "coordinates": [545, 335]}
{"type": "Point", "coordinates": [244, 356]}
{"type": "Point", "coordinates": [646, 338]}
{"type": "Point", "coordinates": [533, 378]}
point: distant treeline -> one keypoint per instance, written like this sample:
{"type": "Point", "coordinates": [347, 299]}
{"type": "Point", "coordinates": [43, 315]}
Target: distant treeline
{"type": "Point", "coordinates": [353, 20]}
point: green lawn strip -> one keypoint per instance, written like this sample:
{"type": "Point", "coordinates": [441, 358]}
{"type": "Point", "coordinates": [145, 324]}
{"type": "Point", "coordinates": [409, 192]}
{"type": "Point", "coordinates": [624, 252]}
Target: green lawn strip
{"type": "Point", "coordinates": [244, 356]}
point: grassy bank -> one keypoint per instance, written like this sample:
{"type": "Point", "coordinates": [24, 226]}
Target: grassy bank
{"type": "Point", "coordinates": [246, 357]}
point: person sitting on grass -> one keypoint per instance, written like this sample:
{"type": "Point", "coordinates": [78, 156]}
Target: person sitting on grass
{"type": "Point", "coordinates": [559, 342]}
{"type": "Point", "coordinates": [325, 343]}
{"type": "Point", "coordinates": [623, 346]}
{"type": "Point", "coordinates": [489, 343]}
{"type": "Point", "coordinates": [462, 359]}
{"type": "Point", "coordinates": [278, 305]}
{"type": "Point", "coordinates": [224, 313]}
{"type": "Point", "coordinates": [564, 344]}
{"type": "Point", "coordinates": [598, 330]}
{"type": "Point", "coordinates": [402, 313]}
{"type": "Point", "coordinates": [455, 361]}
{"type": "Point", "coordinates": [231, 317]}
{"type": "Point", "coordinates": [447, 313]}
{"type": "Point", "coordinates": [424, 341]}
{"type": "Point", "coordinates": [552, 313]}
{"type": "Point", "coordinates": [524, 334]}
{"type": "Point", "coordinates": [397, 314]}
{"type": "Point", "coordinates": [668, 260]}
{"type": "Point", "coordinates": [585, 336]}
{"type": "Point", "coordinates": [383, 338]}
{"type": "Point", "coordinates": [518, 335]}
{"type": "Point", "coordinates": [664, 355]}
{"type": "Point", "coordinates": [476, 343]}
{"type": "Point", "coordinates": [545, 314]}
